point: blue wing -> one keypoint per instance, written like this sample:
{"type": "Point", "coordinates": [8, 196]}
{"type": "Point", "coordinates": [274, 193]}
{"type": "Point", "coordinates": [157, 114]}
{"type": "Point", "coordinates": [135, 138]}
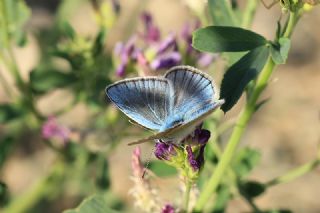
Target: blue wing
{"type": "Point", "coordinates": [144, 100]}
{"type": "Point", "coordinates": [199, 114]}
{"type": "Point", "coordinates": [193, 89]}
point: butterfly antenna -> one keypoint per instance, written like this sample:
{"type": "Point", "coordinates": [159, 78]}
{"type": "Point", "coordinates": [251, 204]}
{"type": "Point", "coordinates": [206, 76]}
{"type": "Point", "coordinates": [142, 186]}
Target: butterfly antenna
{"type": "Point", "coordinates": [148, 163]}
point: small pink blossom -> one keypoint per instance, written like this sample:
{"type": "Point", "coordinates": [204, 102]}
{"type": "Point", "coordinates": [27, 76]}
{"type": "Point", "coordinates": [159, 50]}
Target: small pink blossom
{"type": "Point", "coordinates": [52, 130]}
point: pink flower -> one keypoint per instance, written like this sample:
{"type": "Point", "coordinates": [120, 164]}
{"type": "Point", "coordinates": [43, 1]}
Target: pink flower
{"type": "Point", "coordinates": [52, 130]}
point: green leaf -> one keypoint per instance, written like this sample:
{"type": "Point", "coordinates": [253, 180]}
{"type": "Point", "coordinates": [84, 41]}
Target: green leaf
{"type": "Point", "coordinates": [9, 112]}
{"type": "Point", "coordinates": [245, 161]}
{"type": "Point", "coordinates": [99, 42]}
{"type": "Point", "coordinates": [162, 169]}
{"type": "Point", "coordinates": [6, 145]}
{"type": "Point", "coordinates": [240, 74]}
{"type": "Point", "coordinates": [280, 50]}
{"type": "Point", "coordinates": [222, 13]}
{"type": "Point", "coordinates": [4, 194]}
{"type": "Point", "coordinates": [251, 189]}
{"type": "Point", "coordinates": [44, 81]}
{"type": "Point", "coordinates": [95, 203]}
{"type": "Point", "coordinates": [13, 15]}
{"type": "Point", "coordinates": [226, 39]}
{"type": "Point", "coordinates": [67, 30]}
{"type": "Point", "coordinates": [103, 179]}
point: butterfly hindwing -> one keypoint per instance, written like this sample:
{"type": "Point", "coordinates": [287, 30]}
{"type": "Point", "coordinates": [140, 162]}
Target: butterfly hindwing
{"type": "Point", "coordinates": [195, 117]}
{"type": "Point", "coordinates": [144, 100]}
{"type": "Point", "coordinates": [192, 88]}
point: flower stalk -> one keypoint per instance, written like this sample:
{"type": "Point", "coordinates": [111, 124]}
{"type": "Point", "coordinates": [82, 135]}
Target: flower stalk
{"type": "Point", "coordinates": [294, 173]}
{"type": "Point", "coordinates": [188, 185]}
{"type": "Point", "coordinates": [242, 122]}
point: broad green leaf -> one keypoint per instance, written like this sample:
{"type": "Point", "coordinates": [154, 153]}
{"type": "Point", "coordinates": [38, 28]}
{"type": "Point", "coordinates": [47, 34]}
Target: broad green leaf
{"type": "Point", "coordinates": [44, 81]}
{"type": "Point", "coordinates": [13, 15]}
{"type": "Point", "coordinates": [162, 169]}
{"type": "Point", "coordinates": [226, 39]}
{"type": "Point", "coordinates": [240, 74]}
{"type": "Point", "coordinates": [222, 13]}
{"type": "Point", "coordinates": [9, 112]}
{"type": "Point", "coordinates": [251, 189]}
{"type": "Point", "coordinates": [245, 161]}
{"type": "Point", "coordinates": [280, 51]}
{"type": "Point", "coordinates": [94, 204]}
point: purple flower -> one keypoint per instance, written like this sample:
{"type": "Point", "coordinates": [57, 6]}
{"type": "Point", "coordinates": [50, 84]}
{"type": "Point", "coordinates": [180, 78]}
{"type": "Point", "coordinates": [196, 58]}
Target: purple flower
{"type": "Point", "coordinates": [166, 60]}
{"type": "Point", "coordinates": [169, 42]}
{"type": "Point", "coordinates": [200, 157]}
{"type": "Point", "coordinates": [168, 208]}
{"type": "Point", "coordinates": [192, 160]}
{"type": "Point", "coordinates": [196, 162]}
{"type": "Point", "coordinates": [126, 53]}
{"type": "Point", "coordinates": [121, 70]}
{"type": "Point", "coordinates": [201, 136]}
{"type": "Point", "coordinates": [51, 130]}
{"type": "Point", "coordinates": [164, 151]}
{"type": "Point", "coordinates": [152, 32]}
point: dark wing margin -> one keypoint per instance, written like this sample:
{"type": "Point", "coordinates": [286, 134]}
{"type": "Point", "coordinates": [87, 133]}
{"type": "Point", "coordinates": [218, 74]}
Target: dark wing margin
{"type": "Point", "coordinates": [192, 88]}
{"type": "Point", "coordinates": [144, 100]}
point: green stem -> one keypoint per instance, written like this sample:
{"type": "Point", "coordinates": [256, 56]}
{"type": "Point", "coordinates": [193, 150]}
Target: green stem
{"type": "Point", "coordinates": [240, 126]}
{"type": "Point", "coordinates": [5, 85]}
{"type": "Point", "coordinates": [249, 13]}
{"type": "Point", "coordinates": [295, 173]}
{"type": "Point", "coordinates": [293, 19]}
{"type": "Point", "coordinates": [187, 196]}
{"type": "Point", "coordinates": [39, 190]}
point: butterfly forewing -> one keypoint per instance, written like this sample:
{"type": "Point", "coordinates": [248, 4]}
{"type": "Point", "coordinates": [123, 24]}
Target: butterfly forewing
{"type": "Point", "coordinates": [192, 88]}
{"type": "Point", "coordinates": [144, 100]}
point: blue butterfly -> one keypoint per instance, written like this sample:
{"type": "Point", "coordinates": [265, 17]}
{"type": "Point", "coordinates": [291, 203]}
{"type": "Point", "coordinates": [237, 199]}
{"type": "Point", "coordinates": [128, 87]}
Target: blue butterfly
{"type": "Point", "coordinates": [172, 105]}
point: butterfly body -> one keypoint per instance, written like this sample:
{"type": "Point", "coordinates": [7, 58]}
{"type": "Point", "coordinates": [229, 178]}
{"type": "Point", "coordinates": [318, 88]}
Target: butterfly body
{"type": "Point", "coordinates": [172, 105]}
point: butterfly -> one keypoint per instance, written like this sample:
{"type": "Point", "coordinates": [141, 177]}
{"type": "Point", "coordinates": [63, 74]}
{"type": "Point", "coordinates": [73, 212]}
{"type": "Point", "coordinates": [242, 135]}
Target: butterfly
{"type": "Point", "coordinates": [172, 105]}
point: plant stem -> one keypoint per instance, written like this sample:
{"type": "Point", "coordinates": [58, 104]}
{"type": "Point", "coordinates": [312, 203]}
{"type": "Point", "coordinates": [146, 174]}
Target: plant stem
{"type": "Point", "coordinates": [187, 196]}
{"type": "Point", "coordinates": [249, 13]}
{"type": "Point", "coordinates": [241, 124]}
{"type": "Point", "coordinates": [295, 173]}
{"type": "Point", "coordinates": [5, 85]}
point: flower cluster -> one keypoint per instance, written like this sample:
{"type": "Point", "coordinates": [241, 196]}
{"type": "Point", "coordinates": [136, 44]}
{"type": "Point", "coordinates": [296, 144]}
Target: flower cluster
{"type": "Point", "coordinates": [158, 53]}
{"type": "Point", "coordinates": [188, 158]}
{"type": "Point", "coordinates": [51, 130]}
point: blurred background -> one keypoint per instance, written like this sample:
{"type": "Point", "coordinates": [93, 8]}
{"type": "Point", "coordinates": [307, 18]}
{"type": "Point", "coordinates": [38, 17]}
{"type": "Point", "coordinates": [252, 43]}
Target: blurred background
{"type": "Point", "coordinates": [286, 130]}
